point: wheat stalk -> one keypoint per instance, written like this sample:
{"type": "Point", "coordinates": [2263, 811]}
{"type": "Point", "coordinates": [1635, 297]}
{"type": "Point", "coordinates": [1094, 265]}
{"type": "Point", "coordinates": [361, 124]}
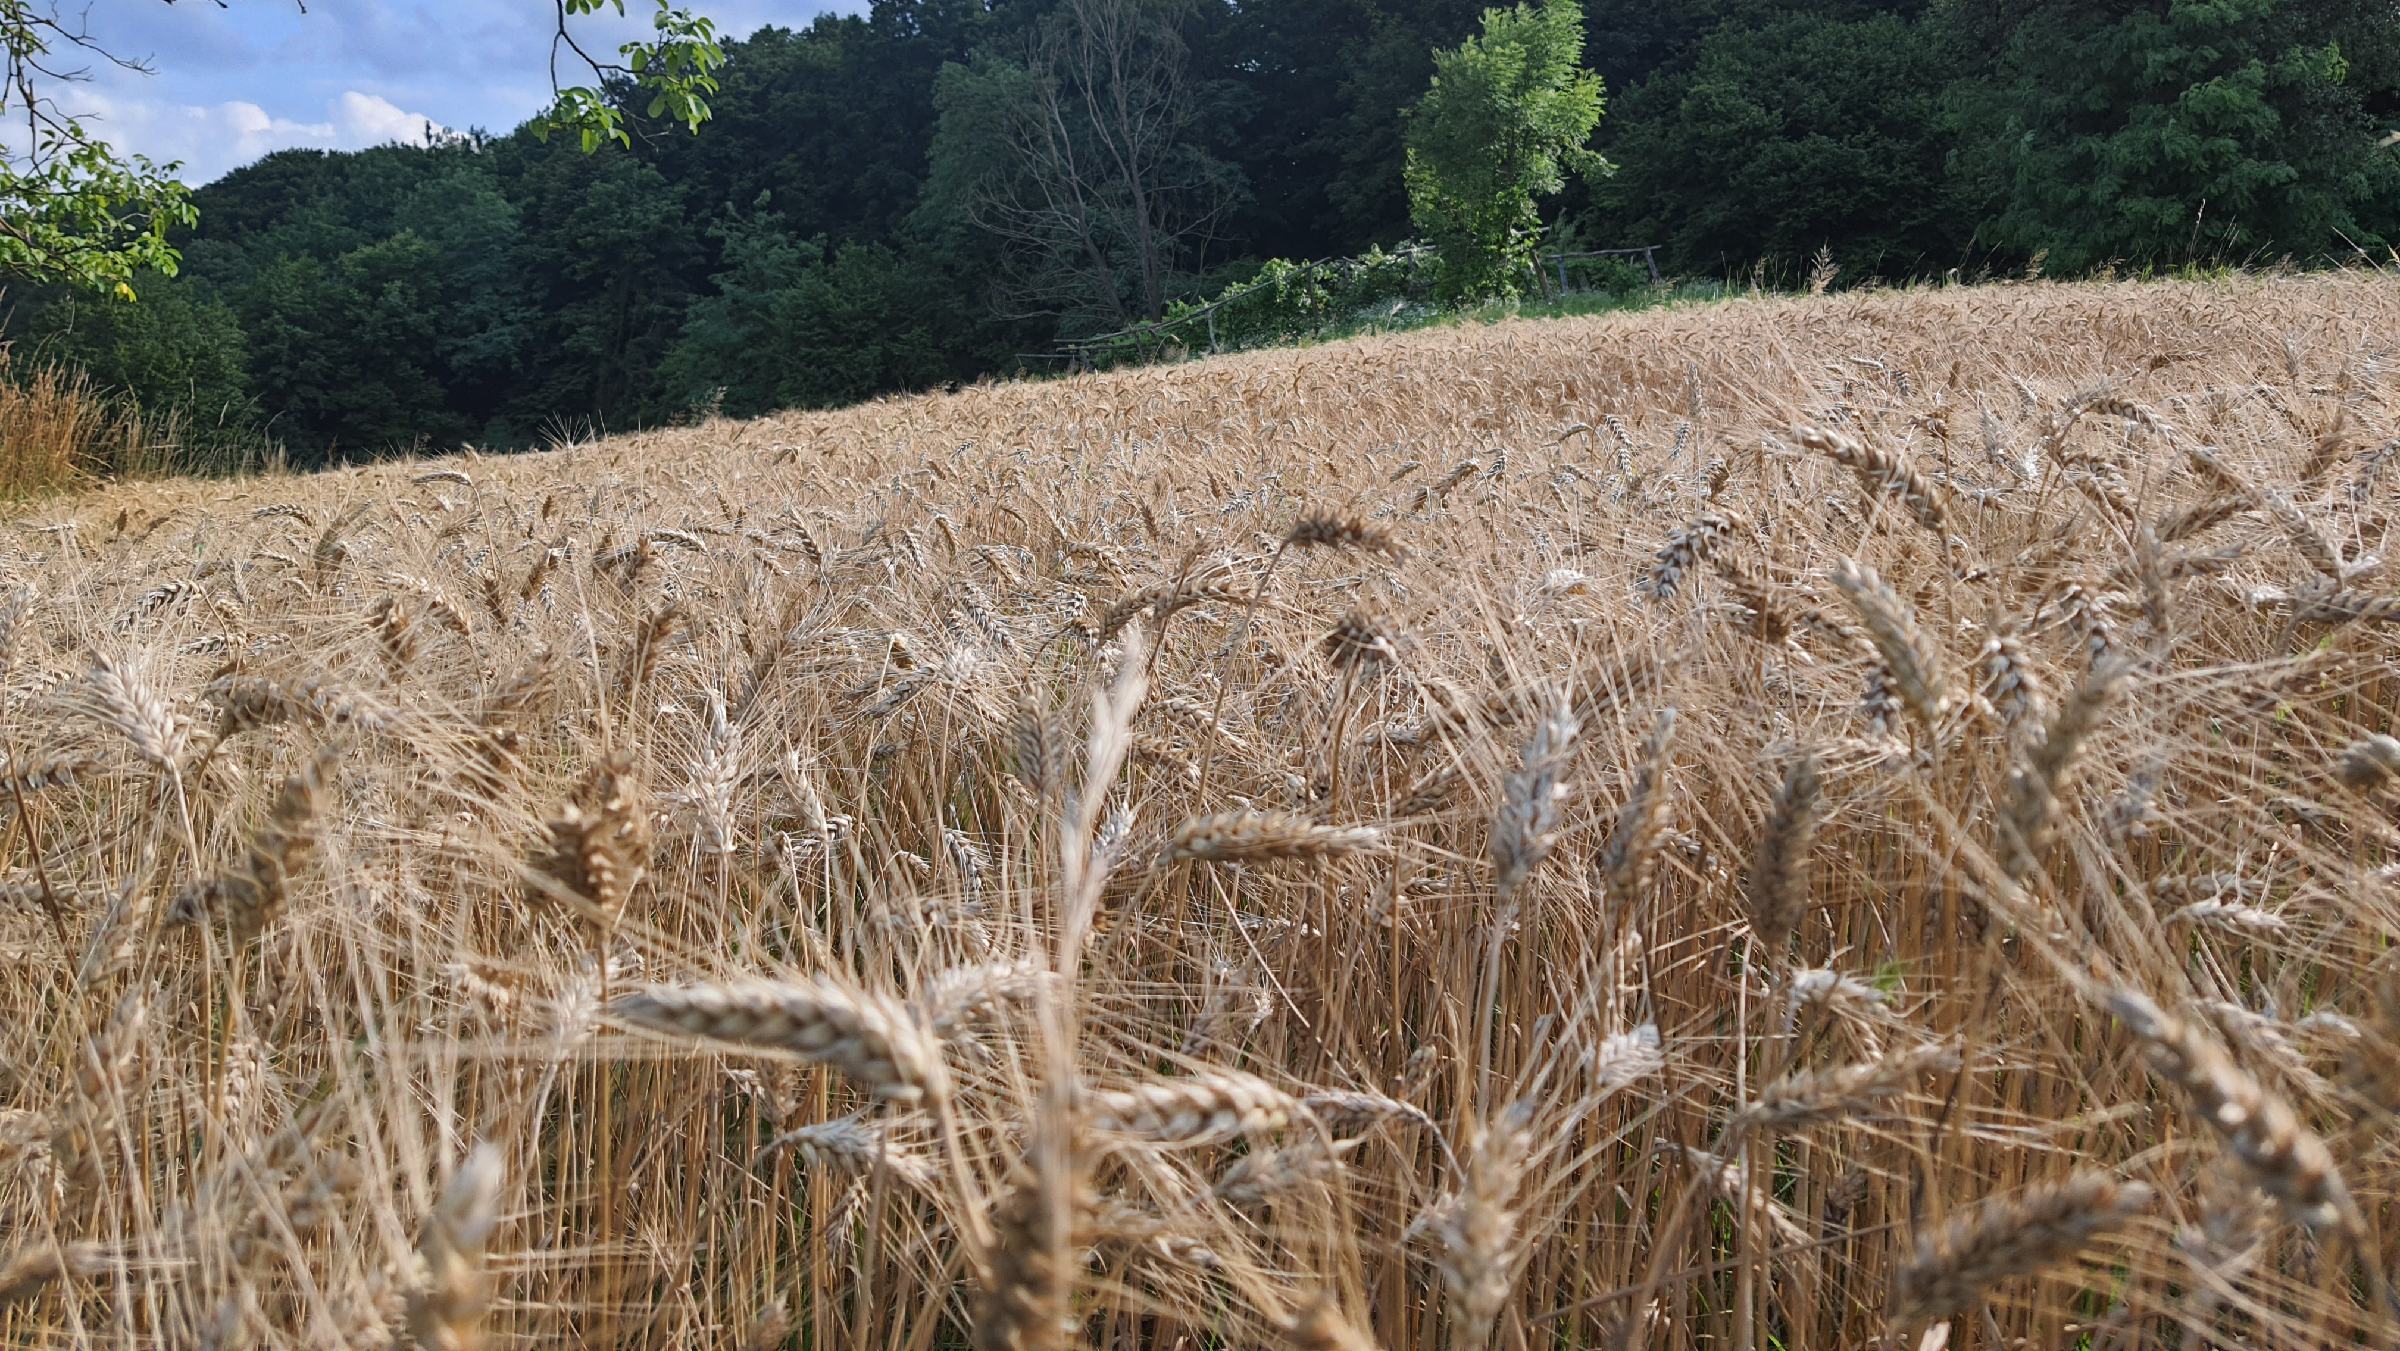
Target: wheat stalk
{"type": "Point", "coordinates": [2037, 785]}
{"type": "Point", "coordinates": [1884, 473]}
{"type": "Point", "coordinates": [1956, 1263]}
{"type": "Point", "coordinates": [1779, 873]}
{"type": "Point", "coordinates": [1913, 662]}
{"type": "Point", "coordinates": [1807, 1098]}
{"type": "Point", "coordinates": [2287, 1160]}
{"type": "Point", "coordinates": [1201, 1109]}
{"type": "Point", "coordinates": [1480, 1230]}
{"type": "Point", "coordinates": [1627, 860]}
{"type": "Point", "coordinates": [447, 1313]}
{"type": "Point", "coordinates": [870, 1038]}
{"type": "Point", "coordinates": [1258, 836]}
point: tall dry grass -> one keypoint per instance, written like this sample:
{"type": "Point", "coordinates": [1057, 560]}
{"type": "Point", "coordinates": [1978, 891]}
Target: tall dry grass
{"type": "Point", "coordinates": [1856, 821]}
{"type": "Point", "coordinates": [59, 431]}
{"type": "Point", "coordinates": [52, 423]}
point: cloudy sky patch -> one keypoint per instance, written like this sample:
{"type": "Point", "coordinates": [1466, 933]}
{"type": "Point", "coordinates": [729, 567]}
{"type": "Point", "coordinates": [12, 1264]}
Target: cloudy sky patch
{"type": "Point", "coordinates": [229, 83]}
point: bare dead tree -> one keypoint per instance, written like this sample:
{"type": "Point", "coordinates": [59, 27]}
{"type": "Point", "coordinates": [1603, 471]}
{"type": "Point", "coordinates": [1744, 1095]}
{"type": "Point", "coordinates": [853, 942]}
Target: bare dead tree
{"type": "Point", "coordinates": [1103, 193]}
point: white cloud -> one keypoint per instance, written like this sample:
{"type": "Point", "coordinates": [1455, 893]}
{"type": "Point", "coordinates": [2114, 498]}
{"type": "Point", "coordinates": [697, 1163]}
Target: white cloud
{"type": "Point", "coordinates": [371, 119]}
{"type": "Point", "coordinates": [206, 139]}
{"type": "Point", "coordinates": [252, 129]}
{"type": "Point", "coordinates": [210, 139]}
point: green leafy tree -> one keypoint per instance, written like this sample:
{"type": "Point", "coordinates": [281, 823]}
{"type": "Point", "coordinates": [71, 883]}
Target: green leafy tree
{"type": "Point", "coordinates": [1751, 152]}
{"type": "Point", "coordinates": [796, 324]}
{"type": "Point", "coordinates": [1509, 115]}
{"type": "Point", "coordinates": [834, 119]}
{"type": "Point", "coordinates": [345, 354]}
{"type": "Point", "coordinates": [610, 261]}
{"type": "Point", "coordinates": [2149, 132]}
{"type": "Point", "coordinates": [180, 349]}
{"type": "Point", "coordinates": [72, 210]}
{"type": "Point", "coordinates": [487, 320]}
{"type": "Point", "coordinates": [676, 70]}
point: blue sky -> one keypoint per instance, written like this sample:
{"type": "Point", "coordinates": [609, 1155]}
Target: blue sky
{"type": "Point", "coordinates": [232, 82]}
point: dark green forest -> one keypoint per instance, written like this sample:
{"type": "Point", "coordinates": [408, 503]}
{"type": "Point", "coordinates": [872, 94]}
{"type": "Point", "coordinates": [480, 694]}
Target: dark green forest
{"type": "Point", "coordinates": [932, 190]}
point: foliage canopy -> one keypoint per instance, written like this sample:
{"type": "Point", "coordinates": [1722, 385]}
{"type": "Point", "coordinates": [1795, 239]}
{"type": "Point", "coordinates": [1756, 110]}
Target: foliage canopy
{"type": "Point", "coordinates": [1509, 116]}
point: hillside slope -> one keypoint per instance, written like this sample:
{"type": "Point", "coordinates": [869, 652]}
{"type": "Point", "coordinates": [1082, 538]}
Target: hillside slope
{"type": "Point", "coordinates": [1509, 835]}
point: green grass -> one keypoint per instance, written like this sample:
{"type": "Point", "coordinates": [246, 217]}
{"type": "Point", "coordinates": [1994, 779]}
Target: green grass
{"type": "Point", "coordinates": [1578, 303]}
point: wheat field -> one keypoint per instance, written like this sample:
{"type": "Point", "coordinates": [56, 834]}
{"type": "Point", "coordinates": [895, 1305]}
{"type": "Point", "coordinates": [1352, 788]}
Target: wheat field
{"type": "Point", "coordinates": [1853, 821]}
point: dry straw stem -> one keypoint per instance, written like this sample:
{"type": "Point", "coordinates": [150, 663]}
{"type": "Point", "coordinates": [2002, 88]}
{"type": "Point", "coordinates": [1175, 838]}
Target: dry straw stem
{"type": "Point", "coordinates": [871, 1038]}
{"type": "Point", "coordinates": [2013, 1236]}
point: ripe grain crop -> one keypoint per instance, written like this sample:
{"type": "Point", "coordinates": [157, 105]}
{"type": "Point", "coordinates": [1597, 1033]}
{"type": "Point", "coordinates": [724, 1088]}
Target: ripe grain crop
{"type": "Point", "coordinates": [1865, 820]}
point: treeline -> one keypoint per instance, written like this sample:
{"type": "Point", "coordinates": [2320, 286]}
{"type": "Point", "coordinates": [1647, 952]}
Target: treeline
{"type": "Point", "coordinates": [923, 192]}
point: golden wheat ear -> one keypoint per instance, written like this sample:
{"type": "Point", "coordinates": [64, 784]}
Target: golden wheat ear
{"type": "Point", "coordinates": [872, 1039]}
{"type": "Point", "coordinates": [2000, 1240]}
{"type": "Point", "coordinates": [1778, 889]}
{"type": "Point", "coordinates": [448, 1312]}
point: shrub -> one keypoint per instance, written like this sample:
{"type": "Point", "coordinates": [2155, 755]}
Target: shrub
{"type": "Point", "coordinates": [1623, 277]}
{"type": "Point", "coordinates": [1283, 302]}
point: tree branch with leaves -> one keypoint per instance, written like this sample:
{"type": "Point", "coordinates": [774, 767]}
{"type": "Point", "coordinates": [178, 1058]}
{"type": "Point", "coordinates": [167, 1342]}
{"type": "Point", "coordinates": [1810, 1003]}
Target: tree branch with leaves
{"type": "Point", "coordinates": [677, 68]}
{"type": "Point", "coordinates": [73, 210]}
{"type": "Point", "coordinates": [77, 211]}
